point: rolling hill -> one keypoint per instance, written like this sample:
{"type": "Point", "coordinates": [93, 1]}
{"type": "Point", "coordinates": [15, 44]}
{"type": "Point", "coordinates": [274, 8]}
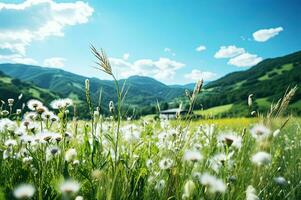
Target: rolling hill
{"type": "Point", "coordinates": [268, 81]}
{"type": "Point", "coordinates": [141, 91]}
{"type": "Point", "coordinates": [12, 88]}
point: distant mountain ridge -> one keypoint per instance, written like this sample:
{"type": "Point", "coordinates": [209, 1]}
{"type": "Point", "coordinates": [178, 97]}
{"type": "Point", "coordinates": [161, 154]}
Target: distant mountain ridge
{"type": "Point", "coordinates": [13, 88]}
{"type": "Point", "coordinates": [141, 91]}
{"type": "Point", "coordinates": [268, 80]}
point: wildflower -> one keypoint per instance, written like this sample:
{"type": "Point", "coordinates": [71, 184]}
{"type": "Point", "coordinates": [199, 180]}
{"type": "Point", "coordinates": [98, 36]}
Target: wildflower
{"type": "Point", "coordinates": [230, 139]}
{"type": "Point", "coordinates": [7, 125]}
{"type": "Point", "coordinates": [214, 184]}
{"type": "Point", "coordinates": [10, 143]}
{"type": "Point", "coordinates": [280, 180]}
{"type": "Point", "coordinates": [276, 133]}
{"type": "Point", "coordinates": [165, 163]}
{"type": "Point", "coordinates": [18, 111]}
{"type": "Point", "coordinates": [10, 102]}
{"type": "Point", "coordinates": [27, 159]}
{"type": "Point", "coordinates": [149, 163]}
{"type": "Point", "coordinates": [20, 96]}
{"type": "Point", "coordinates": [79, 198]}
{"type": "Point", "coordinates": [51, 152]}
{"type": "Point", "coordinates": [131, 136]}
{"type": "Point", "coordinates": [262, 158]}
{"type": "Point", "coordinates": [193, 156]}
{"type": "Point", "coordinates": [70, 187]}
{"type": "Point", "coordinates": [260, 131]}
{"type": "Point", "coordinates": [111, 106]}
{"type": "Point", "coordinates": [250, 100]}
{"type": "Point", "coordinates": [24, 191]}
{"type": "Point", "coordinates": [33, 104]}
{"type": "Point", "coordinates": [160, 185]}
{"type": "Point", "coordinates": [70, 155]}
{"type": "Point", "coordinates": [96, 174]}
{"type": "Point", "coordinates": [61, 103]}
{"type": "Point", "coordinates": [4, 113]}
{"type": "Point", "coordinates": [30, 116]}
{"type": "Point", "coordinates": [27, 139]}
{"type": "Point", "coordinates": [219, 160]}
{"type": "Point", "coordinates": [189, 189]}
{"type": "Point", "coordinates": [251, 193]}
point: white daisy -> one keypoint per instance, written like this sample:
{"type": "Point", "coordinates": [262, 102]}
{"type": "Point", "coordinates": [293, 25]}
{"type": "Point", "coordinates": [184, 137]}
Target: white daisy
{"type": "Point", "coordinates": [33, 104]}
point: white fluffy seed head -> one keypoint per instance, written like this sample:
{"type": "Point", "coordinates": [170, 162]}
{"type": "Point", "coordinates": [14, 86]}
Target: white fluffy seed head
{"type": "Point", "coordinates": [24, 191]}
{"type": "Point", "coordinates": [261, 158]}
{"type": "Point", "coordinates": [193, 156]}
{"type": "Point", "coordinates": [70, 187]}
{"type": "Point", "coordinates": [70, 155]}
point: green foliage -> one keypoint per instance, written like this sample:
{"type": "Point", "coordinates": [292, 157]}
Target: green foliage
{"type": "Point", "coordinates": [269, 79]}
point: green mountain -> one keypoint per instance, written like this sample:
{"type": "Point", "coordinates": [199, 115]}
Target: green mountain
{"type": "Point", "coordinates": [268, 81]}
{"type": "Point", "coordinates": [141, 91]}
{"type": "Point", "coordinates": [12, 88]}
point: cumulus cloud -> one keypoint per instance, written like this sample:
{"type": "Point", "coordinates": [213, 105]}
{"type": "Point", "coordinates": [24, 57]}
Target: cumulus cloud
{"type": "Point", "coordinates": [228, 51]}
{"type": "Point", "coordinates": [163, 69]}
{"type": "Point", "coordinates": [17, 58]}
{"type": "Point", "coordinates": [196, 74]}
{"type": "Point", "coordinates": [37, 19]}
{"type": "Point", "coordinates": [57, 62]}
{"type": "Point", "coordinates": [245, 60]}
{"type": "Point", "coordinates": [200, 48]}
{"type": "Point", "coordinates": [266, 34]}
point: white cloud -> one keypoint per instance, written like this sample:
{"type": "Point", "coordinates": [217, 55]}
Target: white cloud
{"type": "Point", "coordinates": [196, 74]}
{"type": "Point", "coordinates": [36, 20]}
{"type": "Point", "coordinates": [245, 60]}
{"type": "Point", "coordinates": [17, 58]}
{"type": "Point", "coordinates": [126, 56]}
{"type": "Point", "coordinates": [228, 51]}
{"type": "Point", "coordinates": [170, 51]}
{"type": "Point", "coordinates": [266, 34]}
{"type": "Point", "coordinates": [55, 62]}
{"type": "Point", "coordinates": [163, 69]}
{"type": "Point", "coordinates": [166, 49]}
{"type": "Point", "coordinates": [200, 48]}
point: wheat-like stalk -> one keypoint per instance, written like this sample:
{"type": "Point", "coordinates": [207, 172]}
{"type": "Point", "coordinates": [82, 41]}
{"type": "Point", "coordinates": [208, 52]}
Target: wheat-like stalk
{"type": "Point", "coordinates": [103, 61]}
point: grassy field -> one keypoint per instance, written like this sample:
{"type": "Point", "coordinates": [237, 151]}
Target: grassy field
{"type": "Point", "coordinates": [214, 111]}
{"type": "Point", "coordinates": [49, 155]}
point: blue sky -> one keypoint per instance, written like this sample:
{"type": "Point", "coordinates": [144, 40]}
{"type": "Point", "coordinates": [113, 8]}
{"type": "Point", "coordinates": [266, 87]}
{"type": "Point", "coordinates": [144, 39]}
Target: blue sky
{"type": "Point", "coordinates": [151, 37]}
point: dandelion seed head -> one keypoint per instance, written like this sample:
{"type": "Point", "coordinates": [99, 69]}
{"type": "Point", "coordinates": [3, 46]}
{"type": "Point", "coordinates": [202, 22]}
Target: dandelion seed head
{"type": "Point", "coordinates": [260, 131]}
{"type": "Point", "coordinates": [262, 158]}
{"type": "Point", "coordinates": [70, 155]}
{"type": "Point", "coordinates": [70, 186]}
{"type": "Point", "coordinates": [24, 191]}
{"type": "Point", "coordinates": [251, 193]}
{"type": "Point", "coordinates": [166, 163]}
{"type": "Point", "coordinates": [33, 104]}
{"type": "Point", "coordinates": [193, 156]}
{"type": "Point", "coordinates": [215, 185]}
